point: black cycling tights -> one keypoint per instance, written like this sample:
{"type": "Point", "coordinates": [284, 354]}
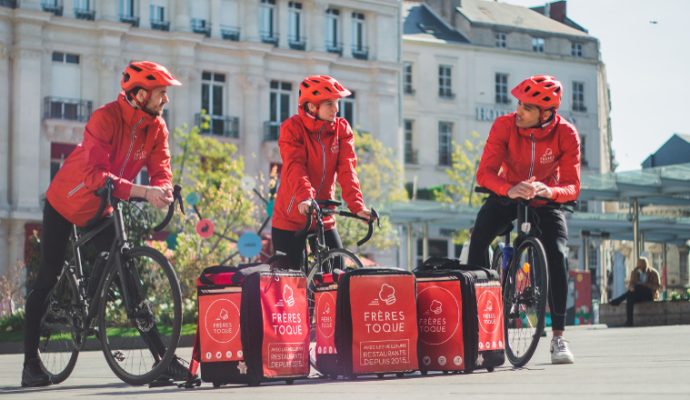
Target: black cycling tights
{"type": "Point", "coordinates": [55, 236]}
{"type": "Point", "coordinates": [286, 242]}
{"type": "Point", "coordinates": [495, 217]}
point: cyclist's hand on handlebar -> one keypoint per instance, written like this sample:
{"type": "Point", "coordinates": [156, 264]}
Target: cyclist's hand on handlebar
{"type": "Point", "coordinates": [159, 197]}
{"type": "Point", "coordinates": [523, 190]}
{"type": "Point", "coordinates": [366, 213]}
{"type": "Point", "coordinates": [543, 190]}
{"type": "Point", "coordinates": [303, 207]}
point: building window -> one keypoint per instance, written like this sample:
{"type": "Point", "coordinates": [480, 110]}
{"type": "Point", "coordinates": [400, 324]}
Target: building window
{"type": "Point", "coordinates": [295, 38]}
{"type": "Point", "coordinates": [280, 95]}
{"type": "Point", "coordinates": [445, 135]}
{"type": "Point", "coordinates": [347, 108]}
{"type": "Point", "coordinates": [64, 101]}
{"type": "Point", "coordinates": [502, 88]}
{"type": "Point", "coordinates": [579, 97]}
{"type": "Point", "coordinates": [576, 49]}
{"type": "Point", "coordinates": [538, 45]}
{"type": "Point", "coordinates": [128, 12]}
{"type": "Point", "coordinates": [500, 39]}
{"type": "Point", "coordinates": [83, 10]}
{"type": "Point", "coordinates": [157, 18]}
{"type": "Point", "coordinates": [65, 58]}
{"type": "Point", "coordinates": [407, 78]}
{"type": "Point", "coordinates": [583, 152]}
{"type": "Point", "coordinates": [445, 84]}
{"type": "Point", "coordinates": [212, 85]}
{"type": "Point", "coordinates": [268, 22]}
{"type": "Point", "coordinates": [333, 43]}
{"type": "Point", "coordinates": [229, 26]}
{"type": "Point", "coordinates": [410, 152]}
{"type": "Point", "coordinates": [359, 45]}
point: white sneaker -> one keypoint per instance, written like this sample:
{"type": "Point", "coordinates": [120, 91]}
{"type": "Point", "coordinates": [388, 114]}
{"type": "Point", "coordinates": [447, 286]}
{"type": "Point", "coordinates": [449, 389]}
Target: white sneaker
{"type": "Point", "coordinates": [560, 354]}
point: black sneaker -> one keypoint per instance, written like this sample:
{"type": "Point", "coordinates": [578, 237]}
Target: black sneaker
{"type": "Point", "coordinates": [34, 375]}
{"type": "Point", "coordinates": [177, 371]}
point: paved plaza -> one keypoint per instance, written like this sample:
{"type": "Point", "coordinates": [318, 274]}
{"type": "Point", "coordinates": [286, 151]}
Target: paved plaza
{"type": "Point", "coordinates": [613, 363]}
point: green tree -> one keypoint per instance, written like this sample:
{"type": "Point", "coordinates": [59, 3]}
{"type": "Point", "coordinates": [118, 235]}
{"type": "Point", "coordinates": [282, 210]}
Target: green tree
{"type": "Point", "coordinates": [462, 172]}
{"type": "Point", "coordinates": [380, 179]}
{"type": "Point", "coordinates": [213, 171]}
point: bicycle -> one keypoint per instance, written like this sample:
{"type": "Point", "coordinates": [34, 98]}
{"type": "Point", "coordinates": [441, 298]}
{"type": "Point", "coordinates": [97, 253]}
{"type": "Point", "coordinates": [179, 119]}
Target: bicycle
{"type": "Point", "coordinates": [525, 280]}
{"type": "Point", "coordinates": [325, 260]}
{"type": "Point", "coordinates": [122, 311]}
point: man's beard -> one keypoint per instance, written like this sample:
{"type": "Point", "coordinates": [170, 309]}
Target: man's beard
{"type": "Point", "coordinates": [151, 112]}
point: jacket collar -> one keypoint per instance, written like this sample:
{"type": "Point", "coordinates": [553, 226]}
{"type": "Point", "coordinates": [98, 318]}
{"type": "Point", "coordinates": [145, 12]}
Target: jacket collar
{"type": "Point", "coordinates": [540, 133]}
{"type": "Point", "coordinates": [131, 115]}
{"type": "Point", "coordinates": [314, 125]}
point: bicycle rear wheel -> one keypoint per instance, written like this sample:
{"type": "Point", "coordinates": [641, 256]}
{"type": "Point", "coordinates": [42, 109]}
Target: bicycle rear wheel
{"type": "Point", "coordinates": [334, 258]}
{"type": "Point", "coordinates": [61, 324]}
{"type": "Point", "coordinates": [139, 338]}
{"type": "Point", "coordinates": [524, 297]}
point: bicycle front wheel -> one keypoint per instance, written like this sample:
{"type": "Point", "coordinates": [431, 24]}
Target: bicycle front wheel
{"type": "Point", "coordinates": [334, 258]}
{"type": "Point", "coordinates": [524, 297]}
{"type": "Point", "coordinates": [60, 338]}
{"type": "Point", "coordinates": [140, 316]}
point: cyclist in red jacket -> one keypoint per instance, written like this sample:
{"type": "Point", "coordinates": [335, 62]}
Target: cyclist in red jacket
{"type": "Point", "coordinates": [120, 139]}
{"type": "Point", "coordinates": [532, 152]}
{"type": "Point", "coordinates": [317, 147]}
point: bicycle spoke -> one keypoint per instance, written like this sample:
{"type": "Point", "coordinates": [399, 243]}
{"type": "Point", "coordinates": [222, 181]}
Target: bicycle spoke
{"type": "Point", "coordinates": [59, 338]}
{"type": "Point", "coordinates": [140, 317]}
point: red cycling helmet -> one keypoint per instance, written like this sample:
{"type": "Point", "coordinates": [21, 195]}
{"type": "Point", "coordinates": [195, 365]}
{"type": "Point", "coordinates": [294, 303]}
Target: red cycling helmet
{"type": "Point", "coordinates": [544, 91]}
{"type": "Point", "coordinates": [316, 89]}
{"type": "Point", "coordinates": [146, 74]}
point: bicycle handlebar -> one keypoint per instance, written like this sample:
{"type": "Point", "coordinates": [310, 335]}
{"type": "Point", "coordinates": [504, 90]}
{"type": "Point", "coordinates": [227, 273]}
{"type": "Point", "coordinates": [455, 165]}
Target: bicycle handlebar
{"type": "Point", "coordinates": [107, 199]}
{"type": "Point", "coordinates": [316, 207]}
{"type": "Point", "coordinates": [549, 202]}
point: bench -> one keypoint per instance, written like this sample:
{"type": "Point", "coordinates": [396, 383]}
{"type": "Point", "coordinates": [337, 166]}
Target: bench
{"type": "Point", "coordinates": [651, 313]}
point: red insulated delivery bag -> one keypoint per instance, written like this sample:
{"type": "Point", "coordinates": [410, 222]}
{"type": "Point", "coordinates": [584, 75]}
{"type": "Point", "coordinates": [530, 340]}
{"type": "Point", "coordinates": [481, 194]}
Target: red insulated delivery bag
{"type": "Point", "coordinates": [376, 322]}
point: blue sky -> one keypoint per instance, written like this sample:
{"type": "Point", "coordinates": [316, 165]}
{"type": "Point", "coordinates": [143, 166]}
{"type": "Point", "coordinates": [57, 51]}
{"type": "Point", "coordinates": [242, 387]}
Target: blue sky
{"type": "Point", "coordinates": [648, 68]}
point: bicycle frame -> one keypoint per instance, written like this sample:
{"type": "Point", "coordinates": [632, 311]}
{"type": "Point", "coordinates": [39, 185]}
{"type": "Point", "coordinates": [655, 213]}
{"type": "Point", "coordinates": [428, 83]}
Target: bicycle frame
{"type": "Point", "coordinates": [118, 248]}
{"type": "Point", "coordinates": [524, 228]}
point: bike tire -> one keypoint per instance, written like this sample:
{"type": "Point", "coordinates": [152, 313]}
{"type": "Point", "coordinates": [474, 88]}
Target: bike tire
{"type": "Point", "coordinates": [139, 336]}
{"type": "Point", "coordinates": [60, 337]}
{"type": "Point", "coordinates": [525, 295]}
{"type": "Point", "coordinates": [348, 260]}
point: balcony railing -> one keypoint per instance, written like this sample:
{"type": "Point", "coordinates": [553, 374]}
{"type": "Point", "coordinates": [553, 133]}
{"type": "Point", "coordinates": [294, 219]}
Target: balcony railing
{"type": "Point", "coordinates": [219, 125]}
{"type": "Point", "coordinates": [84, 13]}
{"type": "Point", "coordinates": [297, 43]}
{"type": "Point", "coordinates": [8, 3]}
{"type": "Point", "coordinates": [52, 6]}
{"type": "Point", "coordinates": [230, 32]}
{"type": "Point", "coordinates": [360, 52]}
{"type": "Point", "coordinates": [200, 26]}
{"type": "Point", "coordinates": [271, 131]}
{"type": "Point", "coordinates": [412, 156]}
{"type": "Point", "coordinates": [160, 25]}
{"type": "Point", "coordinates": [269, 37]}
{"type": "Point", "coordinates": [67, 109]}
{"type": "Point", "coordinates": [130, 19]}
{"type": "Point", "coordinates": [334, 47]}
{"type": "Point", "coordinates": [446, 94]}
